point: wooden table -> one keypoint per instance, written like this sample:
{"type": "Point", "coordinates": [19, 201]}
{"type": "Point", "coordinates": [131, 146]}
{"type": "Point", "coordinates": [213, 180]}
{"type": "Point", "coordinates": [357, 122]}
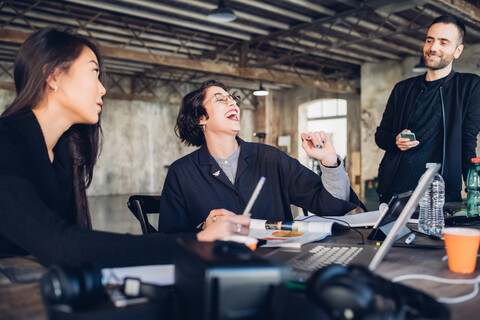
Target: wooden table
{"type": "Point", "coordinates": [20, 296]}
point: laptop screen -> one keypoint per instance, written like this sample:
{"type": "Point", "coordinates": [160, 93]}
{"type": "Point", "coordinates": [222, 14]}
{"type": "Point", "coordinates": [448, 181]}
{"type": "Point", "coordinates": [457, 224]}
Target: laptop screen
{"type": "Point", "coordinates": [404, 216]}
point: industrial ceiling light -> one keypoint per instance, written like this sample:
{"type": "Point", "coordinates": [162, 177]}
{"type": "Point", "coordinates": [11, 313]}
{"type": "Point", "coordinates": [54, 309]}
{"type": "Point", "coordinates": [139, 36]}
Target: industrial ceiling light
{"type": "Point", "coordinates": [260, 92]}
{"type": "Point", "coordinates": [222, 13]}
{"type": "Point", "coordinates": [420, 66]}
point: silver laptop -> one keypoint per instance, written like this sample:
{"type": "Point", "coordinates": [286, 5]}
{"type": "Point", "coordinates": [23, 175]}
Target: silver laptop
{"type": "Point", "coordinates": [313, 256]}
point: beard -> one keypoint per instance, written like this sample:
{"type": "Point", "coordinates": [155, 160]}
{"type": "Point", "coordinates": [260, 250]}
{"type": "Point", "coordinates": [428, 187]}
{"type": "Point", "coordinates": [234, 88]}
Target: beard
{"type": "Point", "coordinates": [444, 61]}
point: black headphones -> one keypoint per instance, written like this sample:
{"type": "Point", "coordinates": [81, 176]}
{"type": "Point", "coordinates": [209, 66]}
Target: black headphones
{"type": "Point", "coordinates": [73, 286]}
{"type": "Point", "coordinates": [354, 292]}
{"type": "Point", "coordinates": [79, 292]}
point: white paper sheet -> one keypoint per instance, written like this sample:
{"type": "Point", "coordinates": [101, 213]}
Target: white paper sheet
{"type": "Point", "coordinates": [161, 275]}
{"type": "Point", "coordinates": [365, 219]}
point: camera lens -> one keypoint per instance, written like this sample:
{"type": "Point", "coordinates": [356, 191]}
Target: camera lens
{"type": "Point", "coordinates": [73, 286]}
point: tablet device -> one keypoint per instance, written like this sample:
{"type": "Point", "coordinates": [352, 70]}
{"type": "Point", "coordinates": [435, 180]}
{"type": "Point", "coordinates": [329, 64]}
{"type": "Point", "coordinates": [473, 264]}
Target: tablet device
{"type": "Point", "coordinates": [389, 216]}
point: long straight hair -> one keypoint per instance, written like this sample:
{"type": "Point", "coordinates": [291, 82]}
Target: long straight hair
{"type": "Point", "coordinates": [40, 55]}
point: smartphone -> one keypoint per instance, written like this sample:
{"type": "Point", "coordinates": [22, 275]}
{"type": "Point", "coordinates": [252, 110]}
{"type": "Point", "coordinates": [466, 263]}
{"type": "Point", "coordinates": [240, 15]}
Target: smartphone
{"type": "Point", "coordinates": [409, 135]}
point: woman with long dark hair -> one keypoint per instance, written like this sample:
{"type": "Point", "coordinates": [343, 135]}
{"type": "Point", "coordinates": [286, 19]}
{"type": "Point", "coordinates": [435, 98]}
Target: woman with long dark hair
{"type": "Point", "coordinates": [216, 181]}
{"type": "Point", "coordinates": [50, 138]}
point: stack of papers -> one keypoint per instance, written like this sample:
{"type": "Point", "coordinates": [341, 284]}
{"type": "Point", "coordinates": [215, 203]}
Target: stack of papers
{"type": "Point", "coordinates": [365, 219]}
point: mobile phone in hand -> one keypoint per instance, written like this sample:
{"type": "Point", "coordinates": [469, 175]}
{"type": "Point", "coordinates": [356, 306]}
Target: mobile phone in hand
{"type": "Point", "coordinates": [409, 135]}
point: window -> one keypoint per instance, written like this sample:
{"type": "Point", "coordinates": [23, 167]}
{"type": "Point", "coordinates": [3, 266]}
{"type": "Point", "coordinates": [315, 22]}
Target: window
{"type": "Point", "coordinates": [330, 115]}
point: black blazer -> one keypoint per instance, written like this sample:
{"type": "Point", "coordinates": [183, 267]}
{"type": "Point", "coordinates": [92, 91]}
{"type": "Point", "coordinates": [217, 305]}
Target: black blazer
{"type": "Point", "coordinates": [195, 185]}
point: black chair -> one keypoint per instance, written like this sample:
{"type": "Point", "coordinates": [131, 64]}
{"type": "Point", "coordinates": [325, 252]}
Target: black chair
{"type": "Point", "coordinates": [141, 206]}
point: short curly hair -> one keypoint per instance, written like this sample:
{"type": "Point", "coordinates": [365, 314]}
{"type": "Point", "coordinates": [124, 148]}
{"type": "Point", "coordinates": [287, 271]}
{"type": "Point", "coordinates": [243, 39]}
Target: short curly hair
{"type": "Point", "coordinates": [191, 111]}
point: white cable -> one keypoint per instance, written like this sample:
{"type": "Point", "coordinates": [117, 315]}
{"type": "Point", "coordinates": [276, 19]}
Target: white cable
{"type": "Point", "coordinates": [448, 300]}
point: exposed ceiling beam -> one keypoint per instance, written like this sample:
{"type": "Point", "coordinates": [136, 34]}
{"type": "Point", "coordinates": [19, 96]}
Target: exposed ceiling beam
{"type": "Point", "coordinates": [13, 36]}
{"type": "Point", "coordinates": [351, 3]}
{"type": "Point", "coordinates": [317, 47]}
{"type": "Point", "coordinates": [353, 60]}
{"type": "Point", "coordinates": [275, 9]}
{"type": "Point", "coordinates": [382, 30]}
{"type": "Point", "coordinates": [238, 13]}
{"type": "Point", "coordinates": [214, 68]}
{"type": "Point", "coordinates": [344, 44]}
{"type": "Point", "coordinates": [228, 70]}
{"type": "Point", "coordinates": [363, 49]}
{"type": "Point", "coordinates": [309, 24]}
{"type": "Point", "coordinates": [378, 41]}
{"type": "Point", "coordinates": [18, 14]}
{"type": "Point", "coordinates": [159, 18]}
{"type": "Point", "coordinates": [313, 6]}
{"type": "Point", "coordinates": [351, 16]}
{"type": "Point", "coordinates": [470, 31]}
{"type": "Point", "coordinates": [192, 15]}
{"type": "Point", "coordinates": [391, 7]}
{"type": "Point", "coordinates": [109, 29]}
{"type": "Point", "coordinates": [7, 86]}
{"type": "Point", "coordinates": [469, 11]}
{"type": "Point", "coordinates": [103, 38]}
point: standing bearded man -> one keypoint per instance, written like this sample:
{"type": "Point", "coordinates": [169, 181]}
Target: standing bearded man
{"type": "Point", "coordinates": [442, 109]}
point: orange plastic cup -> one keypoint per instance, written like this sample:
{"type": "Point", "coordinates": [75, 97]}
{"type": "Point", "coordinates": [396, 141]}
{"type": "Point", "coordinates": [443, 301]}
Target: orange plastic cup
{"type": "Point", "coordinates": [462, 248]}
{"type": "Point", "coordinates": [248, 241]}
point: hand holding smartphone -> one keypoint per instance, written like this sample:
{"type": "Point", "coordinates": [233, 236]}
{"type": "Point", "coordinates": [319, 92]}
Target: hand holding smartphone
{"type": "Point", "coordinates": [404, 144]}
{"type": "Point", "coordinates": [408, 135]}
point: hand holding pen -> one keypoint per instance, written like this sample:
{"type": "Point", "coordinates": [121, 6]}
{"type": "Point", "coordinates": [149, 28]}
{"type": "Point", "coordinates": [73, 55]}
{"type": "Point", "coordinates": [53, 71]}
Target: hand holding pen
{"type": "Point", "coordinates": [223, 215]}
{"type": "Point", "coordinates": [223, 223]}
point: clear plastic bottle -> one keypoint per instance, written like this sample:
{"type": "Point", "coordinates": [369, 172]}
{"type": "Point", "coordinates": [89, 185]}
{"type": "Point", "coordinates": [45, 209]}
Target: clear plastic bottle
{"type": "Point", "coordinates": [473, 187]}
{"type": "Point", "coordinates": [430, 218]}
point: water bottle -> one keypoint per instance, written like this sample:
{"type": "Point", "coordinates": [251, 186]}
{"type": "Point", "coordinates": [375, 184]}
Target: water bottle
{"type": "Point", "coordinates": [430, 218]}
{"type": "Point", "coordinates": [473, 188]}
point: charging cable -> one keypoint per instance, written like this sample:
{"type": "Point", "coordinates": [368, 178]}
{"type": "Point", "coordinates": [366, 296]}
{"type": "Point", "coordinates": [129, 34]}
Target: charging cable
{"type": "Point", "coordinates": [447, 300]}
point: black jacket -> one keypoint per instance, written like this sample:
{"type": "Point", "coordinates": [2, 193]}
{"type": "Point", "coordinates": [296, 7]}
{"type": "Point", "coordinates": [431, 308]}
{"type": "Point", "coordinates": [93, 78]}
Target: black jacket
{"type": "Point", "coordinates": [36, 207]}
{"type": "Point", "coordinates": [460, 98]}
{"type": "Point", "coordinates": [195, 185]}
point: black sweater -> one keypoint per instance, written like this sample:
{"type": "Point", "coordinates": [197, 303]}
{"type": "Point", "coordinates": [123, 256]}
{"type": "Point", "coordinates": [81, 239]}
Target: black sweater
{"type": "Point", "coordinates": [195, 185]}
{"type": "Point", "coordinates": [36, 207]}
{"type": "Point", "coordinates": [460, 100]}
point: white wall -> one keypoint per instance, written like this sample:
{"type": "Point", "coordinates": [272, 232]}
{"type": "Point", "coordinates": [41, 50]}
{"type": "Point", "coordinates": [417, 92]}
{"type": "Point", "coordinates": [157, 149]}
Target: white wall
{"type": "Point", "coordinates": [139, 142]}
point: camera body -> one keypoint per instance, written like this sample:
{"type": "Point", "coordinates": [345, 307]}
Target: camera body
{"type": "Point", "coordinates": [223, 280]}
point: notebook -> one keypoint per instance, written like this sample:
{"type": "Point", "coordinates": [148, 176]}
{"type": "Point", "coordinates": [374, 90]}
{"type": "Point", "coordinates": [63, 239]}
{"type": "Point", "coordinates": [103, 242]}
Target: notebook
{"type": "Point", "coordinates": [313, 256]}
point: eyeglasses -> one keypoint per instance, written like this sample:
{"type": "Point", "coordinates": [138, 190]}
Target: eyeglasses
{"type": "Point", "coordinates": [224, 97]}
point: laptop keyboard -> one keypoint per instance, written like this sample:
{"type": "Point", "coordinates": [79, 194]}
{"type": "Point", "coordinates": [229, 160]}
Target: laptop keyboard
{"type": "Point", "coordinates": [321, 256]}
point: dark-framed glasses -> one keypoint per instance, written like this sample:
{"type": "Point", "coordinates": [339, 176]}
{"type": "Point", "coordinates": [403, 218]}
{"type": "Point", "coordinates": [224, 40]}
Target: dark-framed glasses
{"type": "Point", "coordinates": [223, 98]}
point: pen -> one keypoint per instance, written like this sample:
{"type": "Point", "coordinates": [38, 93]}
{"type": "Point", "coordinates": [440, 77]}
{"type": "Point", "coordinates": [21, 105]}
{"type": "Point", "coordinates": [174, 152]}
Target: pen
{"type": "Point", "coordinates": [254, 196]}
{"type": "Point", "coordinates": [410, 238]}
